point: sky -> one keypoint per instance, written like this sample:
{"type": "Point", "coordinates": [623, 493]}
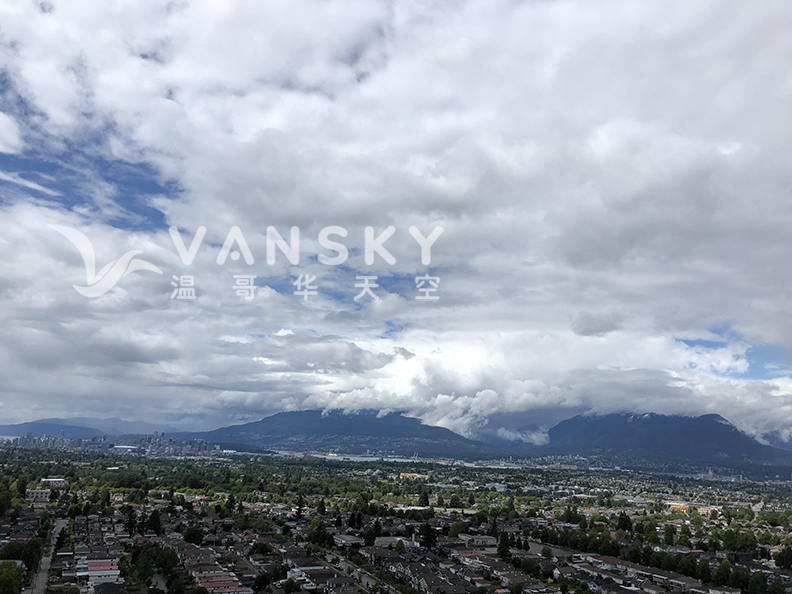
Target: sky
{"type": "Point", "coordinates": [610, 180]}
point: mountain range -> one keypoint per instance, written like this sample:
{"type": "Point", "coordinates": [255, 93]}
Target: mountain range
{"type": "Point", "coordinates": [354, 434]}
{"type": "Point", "coordinates": [708, 439]}
{"type": "Point", "coordinates": [83, 428]}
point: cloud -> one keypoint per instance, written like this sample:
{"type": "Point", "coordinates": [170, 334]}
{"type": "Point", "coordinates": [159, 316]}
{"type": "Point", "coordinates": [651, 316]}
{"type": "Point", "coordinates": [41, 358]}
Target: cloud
{"type": "Point", "coordinates": [592, 324]}
{"type": "Point", "coordinates": [10, 135]}
{"type": "Point", "coordinates": [612, 184]}
{"type": "Point", "coordinates": [16, 179]}
{"type": "Point", "coordinates": [534, 438]}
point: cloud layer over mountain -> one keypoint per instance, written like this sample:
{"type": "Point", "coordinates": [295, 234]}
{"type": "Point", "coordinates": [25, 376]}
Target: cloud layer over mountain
{"type": "Point", "coordinates": [613, 181]}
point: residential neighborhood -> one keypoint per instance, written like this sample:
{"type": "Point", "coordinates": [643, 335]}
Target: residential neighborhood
{"type": "Point", "coordinates": [247, 524]}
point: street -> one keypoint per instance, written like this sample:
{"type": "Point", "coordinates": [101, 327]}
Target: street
{"type": "Point", "coordinates": [40, 579]}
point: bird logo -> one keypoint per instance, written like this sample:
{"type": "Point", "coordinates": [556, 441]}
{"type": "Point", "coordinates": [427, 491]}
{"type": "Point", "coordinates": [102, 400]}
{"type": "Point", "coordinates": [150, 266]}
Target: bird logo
{"type": "Point", "coordinates": [108, 277]}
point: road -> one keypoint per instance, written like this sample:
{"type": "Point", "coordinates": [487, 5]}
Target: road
{"type": "Point", "coordinates": [40, 579]}
{"type": "Point", "coordinates": [159, 582]}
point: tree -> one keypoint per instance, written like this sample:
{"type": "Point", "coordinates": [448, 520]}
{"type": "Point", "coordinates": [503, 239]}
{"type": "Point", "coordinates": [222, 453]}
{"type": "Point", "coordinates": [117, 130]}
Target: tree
{"type": "Point", "coordinates": [176, 586]}
{"type": "Point", "coordinates": [688, 566]}
{"type": "Point", "coordinates": [13, 550]}
{"type": "Point", "coordinates": [503, 547]}
{"type": "Point", "coordinates": [45, 525]}
{"type": "Point", "coordinates": [5, 502]}
{"type": "Point", "coordinates": [316, 524]}
{"type": "Point", "coordinates": [11, 578]}
{"type": "Point", "coordinates": [423, 498]}
{"type": "Point", "coordinates": [321, 507]}
{"type": "Point", "coordinates": [634, 554]}
{"type": "Point", "coordinates": [740, 577]}
{"type": "Point", "coordinates": [784, 558]}
{"type": "Point", "coordinates": [279, 572]}
{"type": "Point", "coordinates": [624, 523]}
{"type": "Point", "coordinates": [130, 522]}
{"type": "Point", "coordinates": [261, 548]}
{"type": "Point", "coordinates": [722, 574]}
{"type": "Point", "coordinates": [194, 534]}
{"type": "Point", "coordinates": [456, 529]}
{"type": "Point", "coordinates": [455, 501]}
{"type": "Point", "coordinates": [657, 558]}
{"type": "Point", "coordinates": [757, 584]}
{"type": "Point", "coordinates": [729, 538]}
{"type": "Point", "coordinates": [698, 521]}
{"type": "Point", "coordinates": [746, 541]}
{"type": "Point", "coordinates": [547, 552]}
{"type": "Point", "coordinates": [531, 567]}
{"type": "Point", "coordinates": [777, 587]}
{"type": "Point", "coordinates": [670, 563]}
{"type": "Point", "coordinates": [61, 540]}
{"type": "Point", "coordinates": [703, 571]}
{"type": "Point", "coordinates": [428, 536]}
{"type": "Point", "coordinates": [22, 483]}
{"type": "Point", "coordinates": [262, 581]}
{"type": "Point", "coordinates": [145, 569]}
{"type": "Point", "coordinates": [646, 555]}
{"type": "Point", "coordinates": [668, 534]}
{"type": "Point", "coordinates": [684, 536]}
{"type": "Point", "coordinates": [31, 554]}
{"type": "Point", "coordinates": [399, 546]}
{"type": "Point", "coordinates": [154, 522]}
{"type": "Point", "coordinates": [290, 586]}
{"type": "Point", "coordinates": [167, 559]}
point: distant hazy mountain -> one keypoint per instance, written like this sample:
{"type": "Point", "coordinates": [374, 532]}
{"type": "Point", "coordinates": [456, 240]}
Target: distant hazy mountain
{"type": "Point", "coordinates": [114, 426]}
{"type": "Point", "coordinates": [709, 438]}
{"type": "Point", "coordinates": [83, 428]}
{"type": "Point", "coordinates": [41, 428]}
{"type": "Point", "coordinates": [354, 433]}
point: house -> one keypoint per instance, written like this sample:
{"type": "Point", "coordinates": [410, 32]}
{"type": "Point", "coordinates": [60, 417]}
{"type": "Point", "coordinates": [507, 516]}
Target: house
{"type": "Point", "coordinates": [339, 584]}
{"type": "Point", "coordinates": [347, 541]}
{"type": "Point", "coordinates": [379, 557]}
{"type": "Point", "coordinates": [54, 483]}
{"type": "Point", "coordinates": [563, 572]}
{"type": "Point", "coordinates": [478, 541]}
{"type": "Point", "coordinates": [37, 495]}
